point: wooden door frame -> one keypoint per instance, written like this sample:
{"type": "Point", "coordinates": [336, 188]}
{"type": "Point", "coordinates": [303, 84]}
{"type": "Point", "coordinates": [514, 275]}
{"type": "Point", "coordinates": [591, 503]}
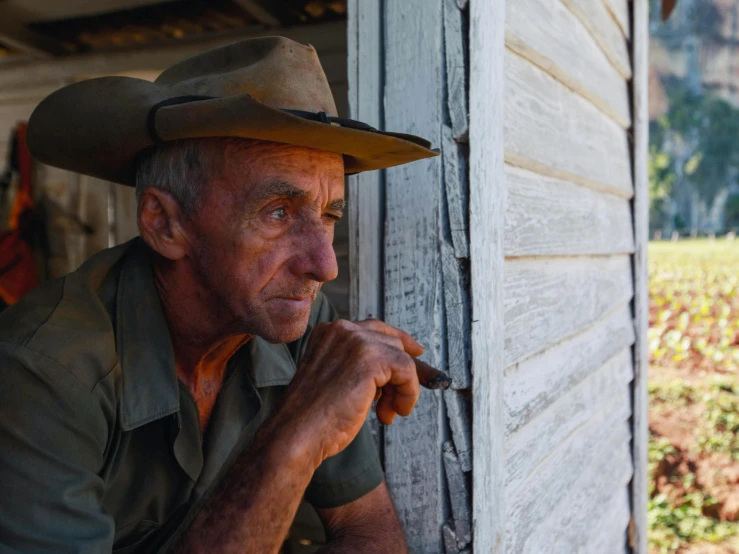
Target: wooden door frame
{"type": "Point", "coordinates": [640, 439]}
{"type": "Point", "coordinates": [367, 197]}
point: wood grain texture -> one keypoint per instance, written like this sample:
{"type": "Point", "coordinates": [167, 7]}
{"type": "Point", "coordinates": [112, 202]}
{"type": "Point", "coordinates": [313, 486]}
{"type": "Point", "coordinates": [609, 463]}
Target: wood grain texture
{"type": "Point", "coordinates": [532, 503]}
{"type": "Point", "coordinates": [535, 384]}
{"type": "Point", "coordinates": [569, 528]}
{"type": "Point", "coordinates": [458, 411]}
{"type": "Point", "coordinates": [413, 283]}
{"type": "Point", "coordinates": [558, 43]}
{"type": "Point", "coordinates": [450, 538]}
{"type": "Point", "coordinates": [608, 388]}
{"type": "Point", "coordinates": [459, 496]}
{"type": "Point", "coordinates": [641, 298]}
{"type": "Point", "coordinates": [551, 130]}
{"type": "Point", "coordinates": [456, 72]}
{"type": "Point", "coordinates": [549, 217]}
{"type": "Point", "coordinates": [456, 302]}
{"type": "Point", "coordinates": [610, 528]}
{"type": "Point", "coordinates": [457, 195]}
{"type": "Point", "coordinates": [596, 19]}
{"type": "Point", "coordinates": [487, 206]}
{"type": "Point", "coordinates": [548, 300]}
{"type": "Point", "coordinates": [619, 10]}
{"type": "Point", "coordinates": [365, 191]}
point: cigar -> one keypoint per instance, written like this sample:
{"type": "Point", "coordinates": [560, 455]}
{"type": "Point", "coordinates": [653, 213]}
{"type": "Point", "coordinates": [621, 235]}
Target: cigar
{"type": "Point", "coordinates": [432, 378]}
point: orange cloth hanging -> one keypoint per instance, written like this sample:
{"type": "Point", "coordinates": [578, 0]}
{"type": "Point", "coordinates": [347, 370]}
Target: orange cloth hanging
{"type": "Point", "coordinates": [17, 265]}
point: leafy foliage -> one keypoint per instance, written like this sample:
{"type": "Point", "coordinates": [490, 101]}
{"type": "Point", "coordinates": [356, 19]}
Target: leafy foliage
{"type": "Point", "coordinates": [704, 127]}
{"type": "Point", "coordinates": [694, 317]}
{"type": "Point", "coordinates": [694, 327]}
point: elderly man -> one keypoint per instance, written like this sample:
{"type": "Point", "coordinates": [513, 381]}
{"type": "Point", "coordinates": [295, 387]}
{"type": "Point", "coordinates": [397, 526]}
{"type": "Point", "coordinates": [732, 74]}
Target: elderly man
{"type": "Point", "coordinates": [186, 390]}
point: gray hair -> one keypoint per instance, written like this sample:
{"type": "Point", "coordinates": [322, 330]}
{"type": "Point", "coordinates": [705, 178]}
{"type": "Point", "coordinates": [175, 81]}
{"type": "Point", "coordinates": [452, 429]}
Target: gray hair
{"type": "Point", "coordinates": [180, 167]}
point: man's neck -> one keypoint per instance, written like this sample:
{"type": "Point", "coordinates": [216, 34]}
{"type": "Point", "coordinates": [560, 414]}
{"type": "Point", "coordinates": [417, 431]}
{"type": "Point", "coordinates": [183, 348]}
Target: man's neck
{"type": "Point", "coordinates": [201, 342]}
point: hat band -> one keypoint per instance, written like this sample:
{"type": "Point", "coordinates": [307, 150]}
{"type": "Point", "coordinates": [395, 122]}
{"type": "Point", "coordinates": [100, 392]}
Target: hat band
{"type": "Point", "coordinates": [320, 117]}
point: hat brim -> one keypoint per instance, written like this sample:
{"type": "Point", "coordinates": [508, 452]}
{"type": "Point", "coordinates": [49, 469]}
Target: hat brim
{"type": "Point", "coordinates": [97, 128]}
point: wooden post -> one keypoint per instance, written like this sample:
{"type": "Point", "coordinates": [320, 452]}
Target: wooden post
{"type": "Point", "coordinates": [413, 278]}
{"type": "Point", "coordinates": [487, 199]}
{"type": "Point", "coordinates": [366, 190]}
{"type": "Point", "coordinates": [640, 17]}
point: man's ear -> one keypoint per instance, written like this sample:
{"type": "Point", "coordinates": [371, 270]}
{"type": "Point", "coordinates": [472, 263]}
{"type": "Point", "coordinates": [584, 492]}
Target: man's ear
{"type": "Point", "coordinates": [162, 224]}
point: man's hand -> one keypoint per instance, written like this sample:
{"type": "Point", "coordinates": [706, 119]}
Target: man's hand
{"type": "Point", "coordinates": [346, 367]}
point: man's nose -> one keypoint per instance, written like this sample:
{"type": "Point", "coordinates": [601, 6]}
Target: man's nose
{"type": "Point", "coordinates": [317, 259]}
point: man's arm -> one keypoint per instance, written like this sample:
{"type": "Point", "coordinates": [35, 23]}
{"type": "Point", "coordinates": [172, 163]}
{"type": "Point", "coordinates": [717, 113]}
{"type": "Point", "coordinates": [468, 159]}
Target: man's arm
{"type": "Point", "coordinates": [324, 408]}
{"type": "Point", "coordinates": [368, 525]}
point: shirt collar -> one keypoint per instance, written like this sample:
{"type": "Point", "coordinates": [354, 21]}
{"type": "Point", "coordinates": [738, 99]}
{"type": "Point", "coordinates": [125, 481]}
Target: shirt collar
{"type": "Point", "coordinates": [150, 389]}
{"type": "Point", "coordinates": [150, 385]}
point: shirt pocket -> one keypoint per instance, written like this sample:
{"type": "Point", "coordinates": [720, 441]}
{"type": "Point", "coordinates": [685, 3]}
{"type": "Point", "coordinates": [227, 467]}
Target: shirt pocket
{"type": "Point", "coordinates": [133, 537]}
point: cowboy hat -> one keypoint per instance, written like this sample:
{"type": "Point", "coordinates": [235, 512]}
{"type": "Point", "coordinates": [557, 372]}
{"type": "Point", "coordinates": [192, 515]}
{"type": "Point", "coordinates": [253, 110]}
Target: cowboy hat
{"type": "Point", "coordinates": [270, 88]}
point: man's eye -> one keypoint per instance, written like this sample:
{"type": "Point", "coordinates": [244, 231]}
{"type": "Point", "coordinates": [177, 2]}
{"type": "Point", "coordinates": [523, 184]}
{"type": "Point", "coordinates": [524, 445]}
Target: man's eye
{"type": "Point", "coordinates": [333, 217]}
{"type": "Point", "coordinates": [279, 213]}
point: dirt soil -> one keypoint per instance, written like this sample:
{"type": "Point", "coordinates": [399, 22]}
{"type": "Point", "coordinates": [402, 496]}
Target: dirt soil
{"type": "Point", "coordinates": [716, 474]}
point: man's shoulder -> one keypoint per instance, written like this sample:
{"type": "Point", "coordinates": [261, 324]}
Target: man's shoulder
{"type": "Point", "coordinates": [66, 324]}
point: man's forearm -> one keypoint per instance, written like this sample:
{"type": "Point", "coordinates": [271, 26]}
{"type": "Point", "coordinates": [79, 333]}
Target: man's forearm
{"type": "Point", "coordinates": [252, 509]}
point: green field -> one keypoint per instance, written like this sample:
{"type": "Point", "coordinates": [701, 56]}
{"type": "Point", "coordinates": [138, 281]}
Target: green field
{"type": "Point", "coordinates": [694, 396]}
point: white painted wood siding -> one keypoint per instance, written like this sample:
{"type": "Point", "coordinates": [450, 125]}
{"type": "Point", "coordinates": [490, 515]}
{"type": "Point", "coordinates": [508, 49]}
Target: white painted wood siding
{"type": "Point", "coordinates": [568, 240]}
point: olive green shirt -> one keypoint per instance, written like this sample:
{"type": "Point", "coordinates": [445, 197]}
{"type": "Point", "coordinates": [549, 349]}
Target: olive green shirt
{"type": "Point", "coordinates": [100, 442]}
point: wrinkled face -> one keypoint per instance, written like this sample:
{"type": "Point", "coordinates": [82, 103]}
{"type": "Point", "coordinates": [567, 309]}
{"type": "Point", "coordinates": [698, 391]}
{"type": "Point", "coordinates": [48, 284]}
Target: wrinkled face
{"type": "Point", "coordinates": [265, 230]}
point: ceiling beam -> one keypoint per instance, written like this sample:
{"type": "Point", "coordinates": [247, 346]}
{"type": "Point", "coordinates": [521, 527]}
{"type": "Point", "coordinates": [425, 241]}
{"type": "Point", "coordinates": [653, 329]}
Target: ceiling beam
{"type": "Point", "coordinates": [15, 34]}
{"type": "Point", "coordinates": [258, 12]}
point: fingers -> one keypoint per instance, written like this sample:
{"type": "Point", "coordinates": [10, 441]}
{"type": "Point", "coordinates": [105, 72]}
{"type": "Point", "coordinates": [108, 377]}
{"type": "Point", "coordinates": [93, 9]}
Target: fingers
{"type": "Point", "coordinates": [385, 406]}
{"type": "Point", "coordinates": [409, 343]}
{"type": "Point", "coordinates": [401, 391]}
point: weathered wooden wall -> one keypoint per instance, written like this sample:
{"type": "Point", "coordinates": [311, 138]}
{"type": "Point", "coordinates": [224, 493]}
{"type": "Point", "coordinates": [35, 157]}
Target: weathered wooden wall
{"type": "Point", "coordinates": [110, 209]}
{"type": "Point", "coordinates": [408, 67]}
{"type": "Point", "coordinates": [567, 278]}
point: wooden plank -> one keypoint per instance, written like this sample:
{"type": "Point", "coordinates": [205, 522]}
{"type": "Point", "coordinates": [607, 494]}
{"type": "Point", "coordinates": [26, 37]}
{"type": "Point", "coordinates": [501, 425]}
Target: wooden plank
{"type": "Point", "coordinates": [487, 206]}
{"type": "Point", "coordinates": [412, 100]}
{"type": "Point", "coordinates": [450, 538]}
{"type": "Point", "coordinates": [607, 389]}
{"type": "Point", "coordinates": [548, 217]}
{"type": "Point", "coordinates": [456, 72]}
{"type": "Point", "coordinates": [459, 496]}
{"type": "Point", "coordinates": [609, 534]}
{"type": "Point", "coordinates": [457, 196]}
{"type": "Point", "coordinates": [31, 95]}
{"type": "Point", "coordinates": [458, 410]}
{"type": "Point", "coordinates": [532, 502]}
{"type": "Point", "coordinates": [15, 33]}
{"type": "Point", "coordinates": [536, 383]}
{"type": "Point", "coordinates": [259, 12]}
{"type": "Point", "coordinates": [366, 191]}
{"type": "Point", "coordinates": [553, 131]}
{"type": "Point", "coordinates": [557, 42]}
{"type": "Point", "coordinates": [125, 213]}
{"type": "Point", "coordinates": [619, 10]}
{"type": "Point", "coordinates": [569, 527]}
{"type": "Point", "coordinates": [539, 296]}
{"type": "Point", "coordinates": [456, 302]}
{"type": "Point", "coordinates": [329, 39]}
{"type": "Point", "coordinates": [596, 19]}
{"type": "Point", "coordinates": [641, 299]}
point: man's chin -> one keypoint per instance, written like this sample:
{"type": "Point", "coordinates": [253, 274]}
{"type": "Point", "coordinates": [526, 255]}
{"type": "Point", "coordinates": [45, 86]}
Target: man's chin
{"type": "Point", "coordinates": [283, 330]}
